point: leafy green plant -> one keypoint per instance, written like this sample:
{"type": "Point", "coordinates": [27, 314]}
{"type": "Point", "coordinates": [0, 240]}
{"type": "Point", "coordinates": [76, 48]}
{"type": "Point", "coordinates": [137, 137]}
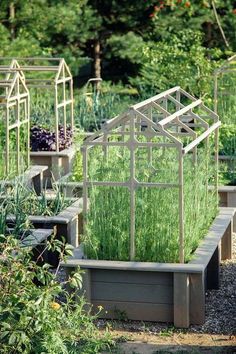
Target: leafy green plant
{"type": "Point", "coordinates": [180, 60]}
{"type": "Point", "coordinates": [227, 140]}
{"type": "Point", "coordinates": [21, 200]}
{"type": "Point", "coordinates": [93, 109]}
{"type": "Point", "coordinates": [37, 313]}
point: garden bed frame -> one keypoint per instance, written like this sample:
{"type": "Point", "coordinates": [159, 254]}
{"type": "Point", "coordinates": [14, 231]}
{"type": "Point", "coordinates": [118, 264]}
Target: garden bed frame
{"type": "Point", "coordinates": [58, 164]}
{"type": "Point", "coordinates": [67, 224]}
{"type": "Point", "coordinates": [165, 292]}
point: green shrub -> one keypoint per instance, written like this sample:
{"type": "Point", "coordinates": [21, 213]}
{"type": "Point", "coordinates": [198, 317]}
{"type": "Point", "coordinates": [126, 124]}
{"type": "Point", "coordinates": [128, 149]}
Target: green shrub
{"type": "Point", "coordinates": [37, 314]}
{"type": "Point", "coordinates": [227, 140]}
{"type": "Point", "coordinates": [180, 60]}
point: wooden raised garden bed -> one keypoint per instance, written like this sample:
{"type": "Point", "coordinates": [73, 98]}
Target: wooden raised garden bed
{"type": "Point", "coordinates": [58, 163]}
{"type": "Point", "coordinates": [227, 196]}
{"type": "Point", "coordinates": [33, 177]}
{"type": "Point", "coordinates": [36, 242]}
{"type": "Point", "coordinates": [164, 292]}
{"type": "Point", "coordinates": [67, 224]}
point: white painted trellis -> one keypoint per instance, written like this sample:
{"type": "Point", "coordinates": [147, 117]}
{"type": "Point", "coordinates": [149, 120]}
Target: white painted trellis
{"type": "Point", "coordinates": [151, 118]}
{"type": "Point", "coordinates": [60, 79]}
{"type": "Point", "coordinates": [15, 117]}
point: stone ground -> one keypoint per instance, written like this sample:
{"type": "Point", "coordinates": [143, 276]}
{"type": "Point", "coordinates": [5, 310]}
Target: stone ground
{"type": "Point", "coordinates": [217, 335]}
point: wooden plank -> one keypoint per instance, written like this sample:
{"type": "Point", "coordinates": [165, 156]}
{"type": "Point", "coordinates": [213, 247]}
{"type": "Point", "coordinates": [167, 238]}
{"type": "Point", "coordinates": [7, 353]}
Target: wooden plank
{"type": "Point", "coordinates": [213, 271]}
{"type": "Point", "coordinates": [207, 247]}
{"type": "Point", "coordinates": [230, 211]}
{"type": "Point", "coordinates": [181, 300]}
{"type": "Point", "coordinates": [73, 232]}
{"type": "Point", "coordinates": [197, 299]}
{"type": "Point", "coordinates": [135, 311]}
{"type": "Point", "coordinates": [227, 243]}
{"type": "Point", "coordinates": [132, 277]}
{"type": "Point", "coordinates": [231, 199]}
{"type": "Point", "coordinates": [160, 294]}
{"type": "Point", "coordinates": [204, 135]}
{"type": "Point", "coordinates": [135, 266]}
{"type": "Point", "coordinates": [63, 153]}
{"type": "Point", "coordinates": [155, 98]}
{"type": "Point", "coordinates": [36, 237]}
{"type": "Point", "coordinates": [179, 113]}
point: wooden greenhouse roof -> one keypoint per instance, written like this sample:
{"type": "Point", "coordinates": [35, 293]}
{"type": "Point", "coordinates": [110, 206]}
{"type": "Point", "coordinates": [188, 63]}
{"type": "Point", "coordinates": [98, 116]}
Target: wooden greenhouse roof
{"type": "Point", "coordinates": [12, 86]}
{"type": "Point", "coordinates": [175, 125]}
{"type": "Point", "coordinates": [56, 68]}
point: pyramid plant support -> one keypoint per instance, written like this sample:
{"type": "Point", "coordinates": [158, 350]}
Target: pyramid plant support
{"type": "Point", "coordinates": [14, 120]}
{"type": "Point", "coordinates": [171, 128]}
{"type": "Point", "coordinates": [50, 75]}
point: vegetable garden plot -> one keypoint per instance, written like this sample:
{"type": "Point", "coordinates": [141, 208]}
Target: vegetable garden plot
{"type": "Point", "coordinates": [150, 169]}
{"type": "Point", "coordinates": [14, 124]}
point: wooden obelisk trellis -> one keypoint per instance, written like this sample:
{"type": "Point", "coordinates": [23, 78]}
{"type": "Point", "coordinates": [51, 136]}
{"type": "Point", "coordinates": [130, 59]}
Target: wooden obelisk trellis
{"type": "Point", "coordinates": [172, 128]}
{"type": "Point", "coordinates": [34, 70]}
{"type": "Point", "coordinates": [14, 99]}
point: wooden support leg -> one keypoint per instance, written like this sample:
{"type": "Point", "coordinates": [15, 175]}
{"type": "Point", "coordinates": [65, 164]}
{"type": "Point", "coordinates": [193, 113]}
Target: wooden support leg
{"type": "Point", "coordinates": [227, 243]}
{"type": "Point", "coordinates": [80, 224]}
{"type": "Point", "coordinates": [181, 300]}
{"type": "Point", "coordinates": [38, 183]}
{"type": "Point", "coordinates": [197, 299]}
{"type": "Point", "coordinates": [73, 232]}
{"type": "Point", "coordinates": [56, 167]}
{"type": "Point", "coordinates": [231, 200]}
{"type": "Point", "coordinates": [213, 271]}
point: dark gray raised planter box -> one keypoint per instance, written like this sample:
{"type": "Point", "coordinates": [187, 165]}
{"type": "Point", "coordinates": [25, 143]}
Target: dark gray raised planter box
{"type": "Point", "coordinates": [227, 195]}
{"type": "Point", "coordinates": [67, 224]}
{"type": "Point", "coordinates": [33, 177]}
{"type": "Point", "coordinates": [58, 163]}
{"type": "Point", "coordinates": [165, 292]}
{"type": "Point", "coordinates": [36, 242]}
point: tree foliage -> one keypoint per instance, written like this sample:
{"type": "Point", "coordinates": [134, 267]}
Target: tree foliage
{"type": "Point", "coordinates": [114, 29]}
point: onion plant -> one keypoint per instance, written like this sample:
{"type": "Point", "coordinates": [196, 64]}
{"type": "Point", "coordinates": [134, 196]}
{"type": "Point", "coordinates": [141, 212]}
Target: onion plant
{"type": "Point", "coordinates": [20, 201]}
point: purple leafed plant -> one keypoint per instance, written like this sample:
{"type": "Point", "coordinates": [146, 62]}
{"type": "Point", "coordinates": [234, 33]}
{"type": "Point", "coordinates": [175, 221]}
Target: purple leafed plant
{"type": "Point", "coordinates": [42, 139]}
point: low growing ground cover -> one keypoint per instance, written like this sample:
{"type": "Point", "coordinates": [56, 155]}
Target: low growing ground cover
{"type": "Point", "coordinates": [157, 211]}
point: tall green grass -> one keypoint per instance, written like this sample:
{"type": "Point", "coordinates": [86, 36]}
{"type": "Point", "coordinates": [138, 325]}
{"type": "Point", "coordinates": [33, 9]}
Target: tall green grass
{"type": "Point", "coordinates": [107, 234]}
